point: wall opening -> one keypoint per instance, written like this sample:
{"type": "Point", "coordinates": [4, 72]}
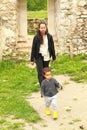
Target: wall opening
{"type": "Point", "coordinates": [36, 12]}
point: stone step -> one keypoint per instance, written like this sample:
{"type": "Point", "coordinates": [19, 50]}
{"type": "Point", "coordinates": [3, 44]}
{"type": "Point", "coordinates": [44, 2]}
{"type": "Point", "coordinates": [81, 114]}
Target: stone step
{"type": "Point", "coordinates": [24, 45]}
{"type": "Point", "coordinates": [24, 50]}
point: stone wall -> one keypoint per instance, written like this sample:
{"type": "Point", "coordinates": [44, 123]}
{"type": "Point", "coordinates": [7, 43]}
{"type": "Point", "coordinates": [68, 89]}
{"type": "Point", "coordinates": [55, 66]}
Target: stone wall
{"type": "Point", "coordinates": [71, 21]}
{"type": "Point", "coordinates": [70, 24]}
{"type": "Point", "coordinates": [1, 50]}
{"type": "Point", "coordinates": [33, 24]}
{"type": "Point", "coordinates": [9, 27]}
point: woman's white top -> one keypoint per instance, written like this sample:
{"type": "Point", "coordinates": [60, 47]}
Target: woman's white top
{"type": "Point", "coordinates": [44, 49]}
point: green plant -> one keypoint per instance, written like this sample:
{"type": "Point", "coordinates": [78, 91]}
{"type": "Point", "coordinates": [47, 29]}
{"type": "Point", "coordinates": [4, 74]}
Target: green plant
{"type": "Point", "coordinates": [68, 110]}
{"type": "Point", "coordinates": [75, 99]}
{"type": "Point", "coordinates": [77, 120]}
{"type": "Point", "coordinates": [36, 5]}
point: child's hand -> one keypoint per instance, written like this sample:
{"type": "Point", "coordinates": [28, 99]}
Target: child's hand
{"type": "Point", "coordinates": [60, 88]}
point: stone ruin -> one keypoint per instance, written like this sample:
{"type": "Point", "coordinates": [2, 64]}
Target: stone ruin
{"type": "Point", "coordinates": [67, 22]}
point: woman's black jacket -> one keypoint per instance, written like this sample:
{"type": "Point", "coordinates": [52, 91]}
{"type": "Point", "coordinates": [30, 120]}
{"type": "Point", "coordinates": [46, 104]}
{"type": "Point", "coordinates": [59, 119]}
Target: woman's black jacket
{"type": "Point", "coordinates": [36, 46]}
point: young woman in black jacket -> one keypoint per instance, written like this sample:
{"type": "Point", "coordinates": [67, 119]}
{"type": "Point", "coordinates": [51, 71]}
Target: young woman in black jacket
{"type": "Point", "coordinates": [42, 50]}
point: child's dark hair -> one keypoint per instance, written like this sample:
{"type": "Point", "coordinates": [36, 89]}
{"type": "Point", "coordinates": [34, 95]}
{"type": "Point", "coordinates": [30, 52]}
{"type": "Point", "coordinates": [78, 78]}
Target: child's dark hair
{"type": "Point", "coordinates": [46, 69]}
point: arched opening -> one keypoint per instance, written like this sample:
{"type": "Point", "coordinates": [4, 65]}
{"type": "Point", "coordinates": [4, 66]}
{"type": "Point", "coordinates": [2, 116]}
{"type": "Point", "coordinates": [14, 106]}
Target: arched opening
{"type": "Point", "coordinates": [51, 11]}
{"type": "Point", "coordinates": [22, 22]}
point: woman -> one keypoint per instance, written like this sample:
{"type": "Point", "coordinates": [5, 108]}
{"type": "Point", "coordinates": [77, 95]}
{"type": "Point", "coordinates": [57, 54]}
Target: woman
{"type": "Point", "coordinates": [42, 50]}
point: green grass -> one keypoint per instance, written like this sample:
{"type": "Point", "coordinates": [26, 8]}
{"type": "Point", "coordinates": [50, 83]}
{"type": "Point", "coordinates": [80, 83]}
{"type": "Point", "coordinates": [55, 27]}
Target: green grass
{"type": "Point", "coordinates": [37, 14]}
{"type": "Point", "coordinates": [74, 67]}
{"type": "Point", "coordinates": [74, 121]}
{"type": "Point", "coordinates": [17, 81]}
{"type": "Point", "coordinates": [7, 125]}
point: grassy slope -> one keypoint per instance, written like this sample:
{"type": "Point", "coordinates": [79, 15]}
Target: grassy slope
{"type": "Point", "coordinates": [37, 14]}
{"type": "Point", "coordinates": [76, 67]}
{"type": "Point", "coordinates": [16, 82]}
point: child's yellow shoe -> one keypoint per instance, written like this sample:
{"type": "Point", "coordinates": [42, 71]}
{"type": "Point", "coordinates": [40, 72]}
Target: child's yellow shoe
{"type": "Point", "coordinates": [47, 111]}
{"type": "Point", "coordinates": [55, 115]}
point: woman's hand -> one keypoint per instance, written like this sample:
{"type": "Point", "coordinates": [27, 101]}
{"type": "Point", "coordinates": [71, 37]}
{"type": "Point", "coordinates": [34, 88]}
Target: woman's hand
{"type": "Point", "coordinates": [61, 88]}
{"type": "Point", "coordinates": [32, 63]}
{"type": "Point", "coordinates": [41, 96]}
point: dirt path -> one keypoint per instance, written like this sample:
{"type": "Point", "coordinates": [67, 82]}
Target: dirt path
{"type": "Point", "coordinates": [72, 107]}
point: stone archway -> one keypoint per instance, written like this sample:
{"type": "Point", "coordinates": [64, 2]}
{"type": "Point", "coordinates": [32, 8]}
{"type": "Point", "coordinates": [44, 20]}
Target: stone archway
{"type": "Point", "coordinates": [22, 21]}
{"type": "Point", "coordinates": [22, 17]}
{"type": "Point", "coordinates": [23, 43]}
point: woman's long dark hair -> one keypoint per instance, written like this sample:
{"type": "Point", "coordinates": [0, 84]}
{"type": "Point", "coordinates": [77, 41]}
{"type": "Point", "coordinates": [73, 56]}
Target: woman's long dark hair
{"type": "Point", "coordinates": [39, 33]}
